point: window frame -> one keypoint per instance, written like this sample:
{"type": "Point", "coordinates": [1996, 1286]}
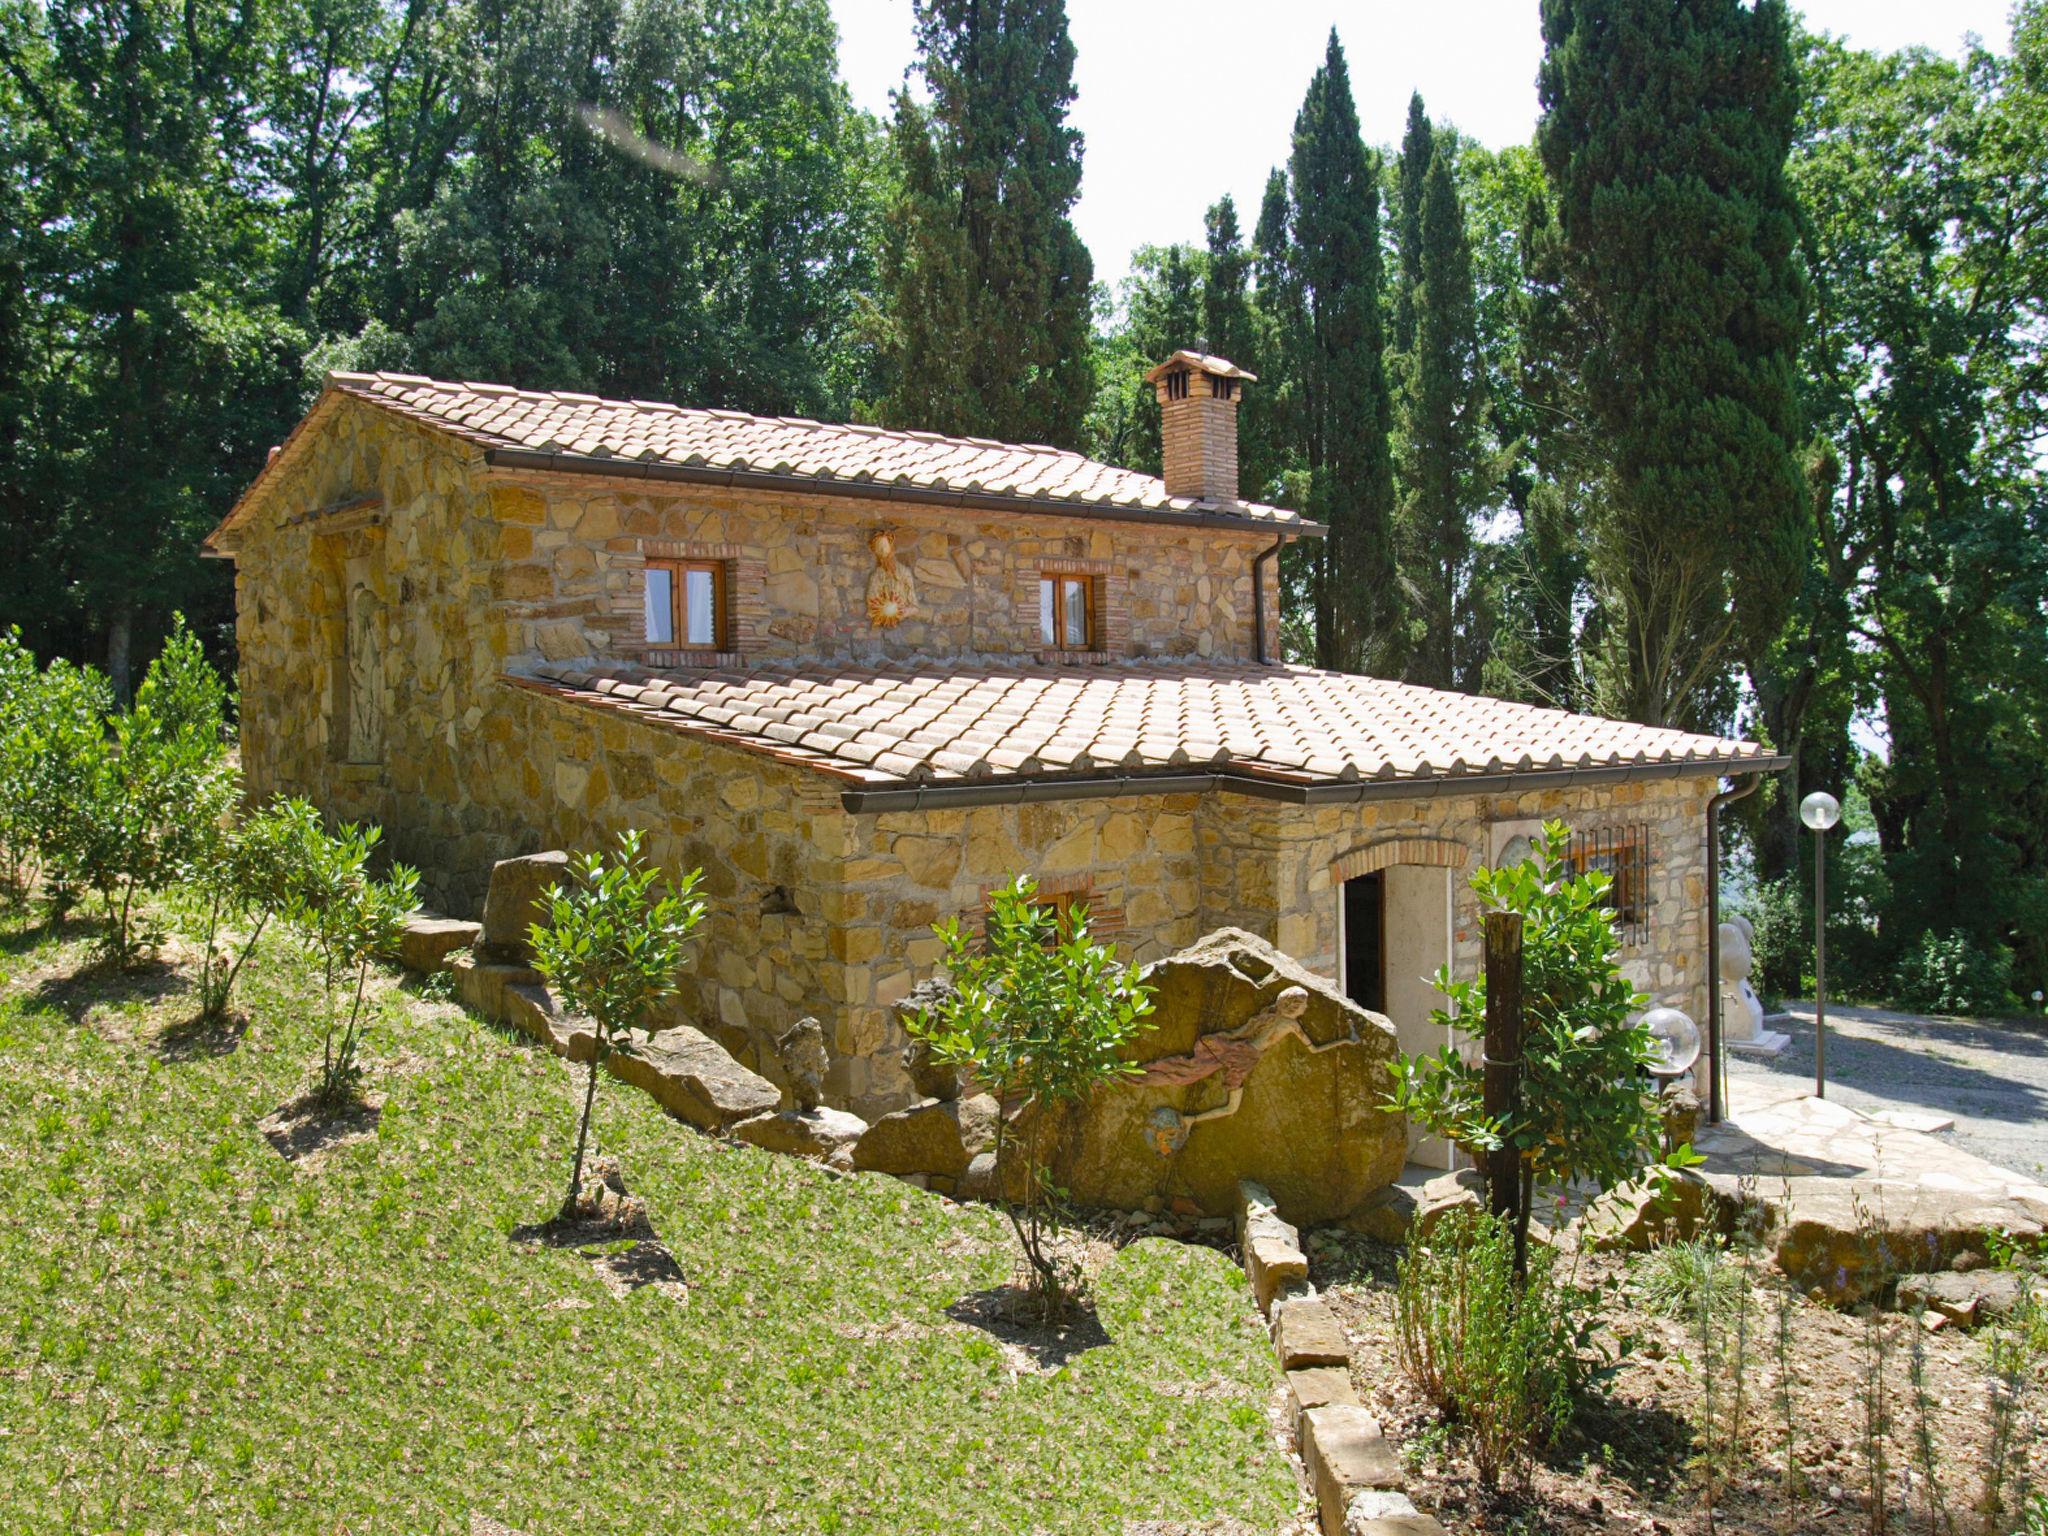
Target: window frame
{"type": "Point", "coordinates": [1090, 618]}
{"type": "Point", "coordinates": [1622, 853]}
{"type": "Point", "coordinates": [679, 571]}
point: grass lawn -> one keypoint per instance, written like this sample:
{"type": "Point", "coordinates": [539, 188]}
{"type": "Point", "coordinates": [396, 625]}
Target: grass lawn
{"type": "Point", "coordinates": [199, 1335]}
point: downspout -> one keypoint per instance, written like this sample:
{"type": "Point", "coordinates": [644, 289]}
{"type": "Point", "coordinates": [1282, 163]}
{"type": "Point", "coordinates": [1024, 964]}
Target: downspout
{"type": "Point", "coordinates": [1716, 1090]}
{"type": "Point", "coordinates": [1259, 599]}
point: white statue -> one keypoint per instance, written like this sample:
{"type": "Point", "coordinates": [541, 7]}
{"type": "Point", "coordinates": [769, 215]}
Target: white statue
{"type": "Point", "coordinates": [365, 697]}
{"type": "Point", "coordinates": [1742, 1011]}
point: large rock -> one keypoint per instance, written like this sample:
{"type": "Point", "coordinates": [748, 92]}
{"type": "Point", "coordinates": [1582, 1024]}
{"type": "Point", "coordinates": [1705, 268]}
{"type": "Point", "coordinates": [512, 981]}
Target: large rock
{"type": "Point", "coordinates": [426, 941]}
{"type": "Point", "coordinates": [938, 1137]}
{"type": "Point", "coordinates": [818, 1133]}
{"type": "Point", "coordinates": [691, 1076]}
{"type": "Point", "coordinates": [516, 996]}
{"type": "Point", "coordinates": [517, 899]}
{"type": "Point", "coordinates": [932, 1079]}
{"type": "Point", "coordinates": [1968, 1299]}
{"type": "Point", "coordinates": [1847, 1241]}
{"type": "Point", "coordinates": [1464, 1190]}
{"type": "Point", "coordinates": [1253, 1067]}
{"type": "Point", "coordinates": [1644, 1214]}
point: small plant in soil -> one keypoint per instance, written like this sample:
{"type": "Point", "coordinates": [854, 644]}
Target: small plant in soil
{"type": "Point", "coordinates": [615, 937]}
{"type": "Point", "coordinates": [347, 919]}
{"type": "Point", "coordinates": [1498, 1359]}
{"type": "Point", "coordinates": [1039, 1013]}
{"type": "Point", "coordinates": [244, 876]}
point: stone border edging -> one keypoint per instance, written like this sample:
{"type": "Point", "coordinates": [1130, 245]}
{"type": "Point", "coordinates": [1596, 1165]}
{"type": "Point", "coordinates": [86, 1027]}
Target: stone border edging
{"type": "Point", "coordinates": [1359, 1486]}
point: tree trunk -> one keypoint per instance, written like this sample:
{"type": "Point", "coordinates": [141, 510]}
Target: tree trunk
{"type": "Point", "coordinates": [1500, 1084]}
{"type": "Point", "coordinates": [575, 1195]}
{"type": "Point", "coordinates": [120, 631]}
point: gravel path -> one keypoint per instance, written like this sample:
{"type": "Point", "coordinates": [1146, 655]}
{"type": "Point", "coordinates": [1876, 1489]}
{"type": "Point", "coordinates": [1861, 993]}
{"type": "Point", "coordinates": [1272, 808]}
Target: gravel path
{"type": "Point", "coordinates": [1990, 1074]}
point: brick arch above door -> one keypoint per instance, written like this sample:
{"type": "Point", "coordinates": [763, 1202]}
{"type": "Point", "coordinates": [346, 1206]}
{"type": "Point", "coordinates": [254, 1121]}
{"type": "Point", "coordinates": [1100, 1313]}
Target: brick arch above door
{"type": "Point", "coordinates": [1436, 852]}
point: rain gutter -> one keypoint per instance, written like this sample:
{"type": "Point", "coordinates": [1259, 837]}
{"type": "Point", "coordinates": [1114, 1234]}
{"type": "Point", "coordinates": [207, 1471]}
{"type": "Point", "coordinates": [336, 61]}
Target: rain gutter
{"type": "Point", "coordinates": [1259, 598]}
{"type": "Point", "coordinates": [875, 490]}
{"type": "Point", "coordinates": [922, 797]}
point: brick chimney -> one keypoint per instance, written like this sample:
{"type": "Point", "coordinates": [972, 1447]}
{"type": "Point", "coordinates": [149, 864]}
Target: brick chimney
{"type": "Point", "coordinates": [1198, 398]}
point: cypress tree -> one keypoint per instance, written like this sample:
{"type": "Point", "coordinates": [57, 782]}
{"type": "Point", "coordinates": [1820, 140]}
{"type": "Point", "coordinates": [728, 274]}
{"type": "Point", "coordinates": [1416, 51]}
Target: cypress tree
{"type": "Point", "coordinates": [1418, 147]}
{"type": "Point", "coordinates": [1270, 417]}
{"type": "Point", "coordinates": [1231, 330]}
{"type": "Point", "coordinates": [1346, 410]}
{"type": "Point", "coordinates": [924, 272]}
{"type": "Point", "coordinates": [1006, 173]}
{"type": "Point", "coordinates": [1445, 469]}
{"type": "Point", "coordinates": [1665, 129]}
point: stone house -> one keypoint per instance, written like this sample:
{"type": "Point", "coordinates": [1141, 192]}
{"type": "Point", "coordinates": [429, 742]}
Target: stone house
{"type": "Point", "coordinates": [860, 676]}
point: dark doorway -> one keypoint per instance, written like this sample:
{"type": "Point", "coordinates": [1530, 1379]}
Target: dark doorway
{"type": "Point", "coordinates": [1365, 950]}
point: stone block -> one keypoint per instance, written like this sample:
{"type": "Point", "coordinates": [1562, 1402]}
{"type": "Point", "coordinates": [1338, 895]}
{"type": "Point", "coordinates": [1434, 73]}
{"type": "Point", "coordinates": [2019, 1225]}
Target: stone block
{"type": "Point", "coordinates": [1318, 1386]}
{"type": "Point", "coordinates": [936, 1136]}
{"type": "Point", "coordinates": [1387, 1512]}
{"type": "Point", "coordinates": [1306, 1333]}
{"type": "Point", "coordinates": [817, 1133]}
{"type": "Point", "coordinates": [1344, 1454]}
{"type": "Point", "coordinates": [426, 941]}
{"type": "Point", "coordinates": [518, 898]}
{"type": "Point", "coordinates": [1386, 1216]}
{"type": "Point", "coordinates": [1272, 1257]}
{"type": "Point", "coordinates": [694, 1078]}
{"type": "Point", "coordinates": [1462, 1190]}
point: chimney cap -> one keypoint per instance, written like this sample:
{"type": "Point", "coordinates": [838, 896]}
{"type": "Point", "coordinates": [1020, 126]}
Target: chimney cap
{"type": "Point", "coordinates": [1201, 362]}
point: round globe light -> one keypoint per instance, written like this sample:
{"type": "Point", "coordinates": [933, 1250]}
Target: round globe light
{"type": "Point", "coordinates": [1678, 1041]}
{"type": "Point", "coordinates": [1820, 810]}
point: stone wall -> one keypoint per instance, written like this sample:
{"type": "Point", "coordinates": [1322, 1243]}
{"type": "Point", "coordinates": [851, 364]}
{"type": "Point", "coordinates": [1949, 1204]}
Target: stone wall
{"type": "Point", "coordinates": [801, 566]}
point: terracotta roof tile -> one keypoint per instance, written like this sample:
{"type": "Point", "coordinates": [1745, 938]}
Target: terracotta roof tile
{"type": "Point", "coordinates": [651, 432]}
{"type": "Point", "coordinates": [983, 719]}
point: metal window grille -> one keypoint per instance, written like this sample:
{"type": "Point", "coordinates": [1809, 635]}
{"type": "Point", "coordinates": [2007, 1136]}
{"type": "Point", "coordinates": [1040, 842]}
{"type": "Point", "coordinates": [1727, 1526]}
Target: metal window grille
{"type": "Point", "coordinates": [1622, 853]}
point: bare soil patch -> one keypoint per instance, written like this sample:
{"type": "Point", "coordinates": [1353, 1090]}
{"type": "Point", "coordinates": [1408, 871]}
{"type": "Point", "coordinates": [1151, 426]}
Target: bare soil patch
{"type": "Point", "coordinates": [303, 1131]}
{"type": "Point", "coordinates": [611, 1229]}
{"type": "Point", "coordinates": [199, 1038]}
{"type": "Point", "coordinates": [1625, 1462]}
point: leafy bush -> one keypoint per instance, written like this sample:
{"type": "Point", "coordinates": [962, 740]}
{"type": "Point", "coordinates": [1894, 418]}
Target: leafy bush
{"type": "Point", "coordinates": [612, 946]}
{"type": "Point", "coordinates": [1954, 973]}
{"type": "Point", "coordinates": [147, 802]}
{"type": "Point", "coordinates": [346, 918]}
{"type": "Point", "coordinates": [1586, 1112]}
{"type": "Point", "coordinates": [1038, 1013]}
{"type": "Point", "coordinates": [53, 740]}
{"type": "Point", "coordinates": [246, 875]}
{"type": "Point", "coordinates": [1498, 1359]}
{"type": "Point", "coordinates": [1782, 945]}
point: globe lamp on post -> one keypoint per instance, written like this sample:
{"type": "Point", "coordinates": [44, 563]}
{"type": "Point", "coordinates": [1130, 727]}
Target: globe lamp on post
{"type": "Point", "coordinates": [1820, 811]}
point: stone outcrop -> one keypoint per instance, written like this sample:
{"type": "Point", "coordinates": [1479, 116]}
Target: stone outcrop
{"type": "Point", "coordinates": [937, 1138]}
{"type": "Point", "coordinates": [1253, 1068]}
{"type": "Point", "coordinates": [426, 941]}
{"type": "Point", "coordinates": [519, 893]}
{"type": "Point", "coordinates": [1848, 1252]}
{"type": "Point", "coordinates": [1645, 1214]}
{"type": "Point", "coordinates": [827, 1135]}
{"type": "Point", "coordinates": [691, 1076]}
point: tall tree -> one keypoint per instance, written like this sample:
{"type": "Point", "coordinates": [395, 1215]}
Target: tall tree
{"type": "Point", "coordinates": [1231, 327]}
{"type": "Point", "coordinates": [1008, 171]}
{"type": "Point", "coordinates": [1665, 130]}
{"type": "Point", "coordinates": [1418, 150]}
{"type": "Point", "coordinates": [1445, 469]}
{"type": "Point", "coordinates": [1335, 219]}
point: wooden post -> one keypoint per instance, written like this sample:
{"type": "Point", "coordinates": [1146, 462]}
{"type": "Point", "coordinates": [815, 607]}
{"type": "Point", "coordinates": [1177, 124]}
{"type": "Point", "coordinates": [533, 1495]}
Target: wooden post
{"type": "Point", "coordinates": [1501, 1085]}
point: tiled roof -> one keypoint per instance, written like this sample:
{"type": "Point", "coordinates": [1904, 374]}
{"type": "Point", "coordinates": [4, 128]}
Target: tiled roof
{"type": "Point", "coordinates": [979, 721]}
{"type": "Point", "coordinates": [596, 434]}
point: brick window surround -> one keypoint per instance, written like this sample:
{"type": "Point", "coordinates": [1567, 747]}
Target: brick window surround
{"type": "Point", "coordinates": [1105, 919]}
{"type": "Point", "coordinates": [1108, 601]}
{"type": "Point", "coordinates": [742, 574]}
{"type": "Point", "coordinates": [1436, 852]}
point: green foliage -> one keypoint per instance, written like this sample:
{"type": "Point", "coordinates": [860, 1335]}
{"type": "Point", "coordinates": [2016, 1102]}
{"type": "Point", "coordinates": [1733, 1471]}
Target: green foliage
{"type": "Point", "coordinates": [1586, 1112]}
{"type": "Point", "coordinates": [1446, 472]}
{"type": "Point", "coordinates": [245, 875]}
{"type": "Point", "coordinates": [1346, 410]}
{"type": "Point", "coordinates": [346, 918]}
{"type": "Point", "coordinates": [1781, 943]}
{"type": "Point", "coordinates": [147, 790]}
{"type": "Point", "coordinates": [1665, 132]}
{"type": "Point", "coordinates": [1497, 1357]}
{"type": "Point", "coordinates": [1952, 972]}
{"type": "Point", "coordinates": [983, 271]}
{"type": "Point", "coordinates": [1679, 1278]}
{"type": "Point", "coordinates": [1039, 1013]}
{"type": "Point", "coordinates": [614, 940]}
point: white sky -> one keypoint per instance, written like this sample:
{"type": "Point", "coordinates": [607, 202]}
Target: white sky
{"type": "Point", "coordinates": [1183, 100]}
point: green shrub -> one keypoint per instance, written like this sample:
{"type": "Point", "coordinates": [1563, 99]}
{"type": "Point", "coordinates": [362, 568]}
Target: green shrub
{"type": "Point", "coordinates": [1499, 1360]}
{"type": "Point", "coordinates": [148, 801]}
{"type": "Point", "coordinates": [246, 875]}
{"type": "Point", "coordinates": [347, 919]}
{"type": "Point", "coordinates": [1782, 945]}
{"type": "Point", "coordinates": [1679, 1278]}
{"type": "Point", "coordinates": [1586, 1112]}
{"type": "Point", "coordinates": [611, 946]}
{"type": "Point", "coordinates": [1038, 1013]}
{"type": "Point", "coordinates": [51, 757]}
{"type": "Point", "coordinates": [1953, 972]}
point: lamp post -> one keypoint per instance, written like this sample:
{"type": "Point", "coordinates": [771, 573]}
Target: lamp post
{"type": "Point", "coordinates": [1820, 811]}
